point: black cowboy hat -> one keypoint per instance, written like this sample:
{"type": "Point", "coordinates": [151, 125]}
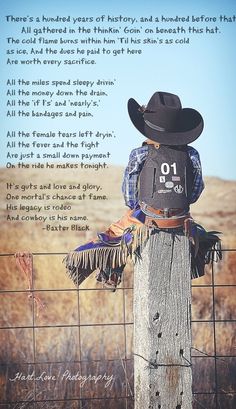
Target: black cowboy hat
{"type": "Point", "coordinates": [164, 120]}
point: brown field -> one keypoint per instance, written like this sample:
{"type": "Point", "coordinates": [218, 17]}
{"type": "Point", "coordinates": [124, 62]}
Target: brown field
{"type": "Point", "coordinates": [58, 343]}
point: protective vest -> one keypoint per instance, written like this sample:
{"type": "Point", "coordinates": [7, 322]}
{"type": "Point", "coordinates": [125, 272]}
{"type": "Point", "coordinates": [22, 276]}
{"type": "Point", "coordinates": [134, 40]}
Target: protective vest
{"type": "Point", "coordinates": [166, 178]}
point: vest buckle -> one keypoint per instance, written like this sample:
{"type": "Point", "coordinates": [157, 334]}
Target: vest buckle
{"type": "Point", "coordinates": [166, 212]}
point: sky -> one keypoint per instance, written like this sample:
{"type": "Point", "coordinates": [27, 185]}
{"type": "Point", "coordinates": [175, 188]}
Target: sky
{"type": "Point", "coordinates": [200, 69]}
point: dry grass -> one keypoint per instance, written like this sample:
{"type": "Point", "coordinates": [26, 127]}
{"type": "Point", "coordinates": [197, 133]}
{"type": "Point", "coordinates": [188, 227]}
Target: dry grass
{"type": "Point", "coordinates": [99, 342]}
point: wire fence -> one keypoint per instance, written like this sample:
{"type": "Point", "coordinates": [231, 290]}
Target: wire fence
{"type": "Point", "coordinates": [94, 369]}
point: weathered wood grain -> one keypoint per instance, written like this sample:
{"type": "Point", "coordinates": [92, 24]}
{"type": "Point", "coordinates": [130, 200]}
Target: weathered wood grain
{"type": "Point", "coordinates": [162, 323]}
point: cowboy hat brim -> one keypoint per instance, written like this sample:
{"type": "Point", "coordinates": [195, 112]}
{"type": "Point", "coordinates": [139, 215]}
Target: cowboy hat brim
{"type": "Point", "coordinates": [188, 129]}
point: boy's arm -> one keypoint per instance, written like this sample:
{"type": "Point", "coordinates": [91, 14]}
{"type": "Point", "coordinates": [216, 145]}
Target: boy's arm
{"type": "Point", "coordinates": [131, 176]}
{"type": "Point", "coordinates": [198, 183]}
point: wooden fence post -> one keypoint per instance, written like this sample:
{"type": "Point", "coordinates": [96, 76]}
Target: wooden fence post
{"type": "Point", "coordinates": [162, 323]}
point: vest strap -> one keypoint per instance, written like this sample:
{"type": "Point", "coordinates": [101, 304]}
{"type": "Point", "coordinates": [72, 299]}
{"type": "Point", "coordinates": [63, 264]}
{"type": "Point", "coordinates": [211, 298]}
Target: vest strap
{"type": "Point", "coordinates": [163, 212]}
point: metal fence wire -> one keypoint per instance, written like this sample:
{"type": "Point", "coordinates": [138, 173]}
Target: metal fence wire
{"type": "Point", "coordinates": [80, 356]}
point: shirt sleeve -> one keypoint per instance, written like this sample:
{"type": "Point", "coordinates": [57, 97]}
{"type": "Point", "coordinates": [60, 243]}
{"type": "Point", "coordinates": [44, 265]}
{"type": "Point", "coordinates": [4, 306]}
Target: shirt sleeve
{"type": "Point", "coordinates": [131, 176]}
{"type": "Point", "coordinates": [198, 184]}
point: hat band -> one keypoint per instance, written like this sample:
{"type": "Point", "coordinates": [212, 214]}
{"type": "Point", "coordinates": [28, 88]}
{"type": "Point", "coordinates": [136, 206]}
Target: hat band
{"type": "Point", "coordinates": [153, 126]}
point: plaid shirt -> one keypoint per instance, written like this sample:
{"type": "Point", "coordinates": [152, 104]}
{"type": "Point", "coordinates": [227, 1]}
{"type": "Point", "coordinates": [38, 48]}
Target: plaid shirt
{"type": "Point", "coordinates": [136, 162]}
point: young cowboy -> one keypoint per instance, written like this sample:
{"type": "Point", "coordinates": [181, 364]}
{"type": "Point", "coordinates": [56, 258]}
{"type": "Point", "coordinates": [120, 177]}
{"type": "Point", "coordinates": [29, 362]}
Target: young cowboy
{"type": "Point", "coordinates": [162, 179]}
{"type": "Point", "coordinates": [164, 176]}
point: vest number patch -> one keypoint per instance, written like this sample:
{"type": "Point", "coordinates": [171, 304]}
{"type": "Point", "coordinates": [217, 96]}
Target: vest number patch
{"type": "Point", "coordinates": [165, 168]}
